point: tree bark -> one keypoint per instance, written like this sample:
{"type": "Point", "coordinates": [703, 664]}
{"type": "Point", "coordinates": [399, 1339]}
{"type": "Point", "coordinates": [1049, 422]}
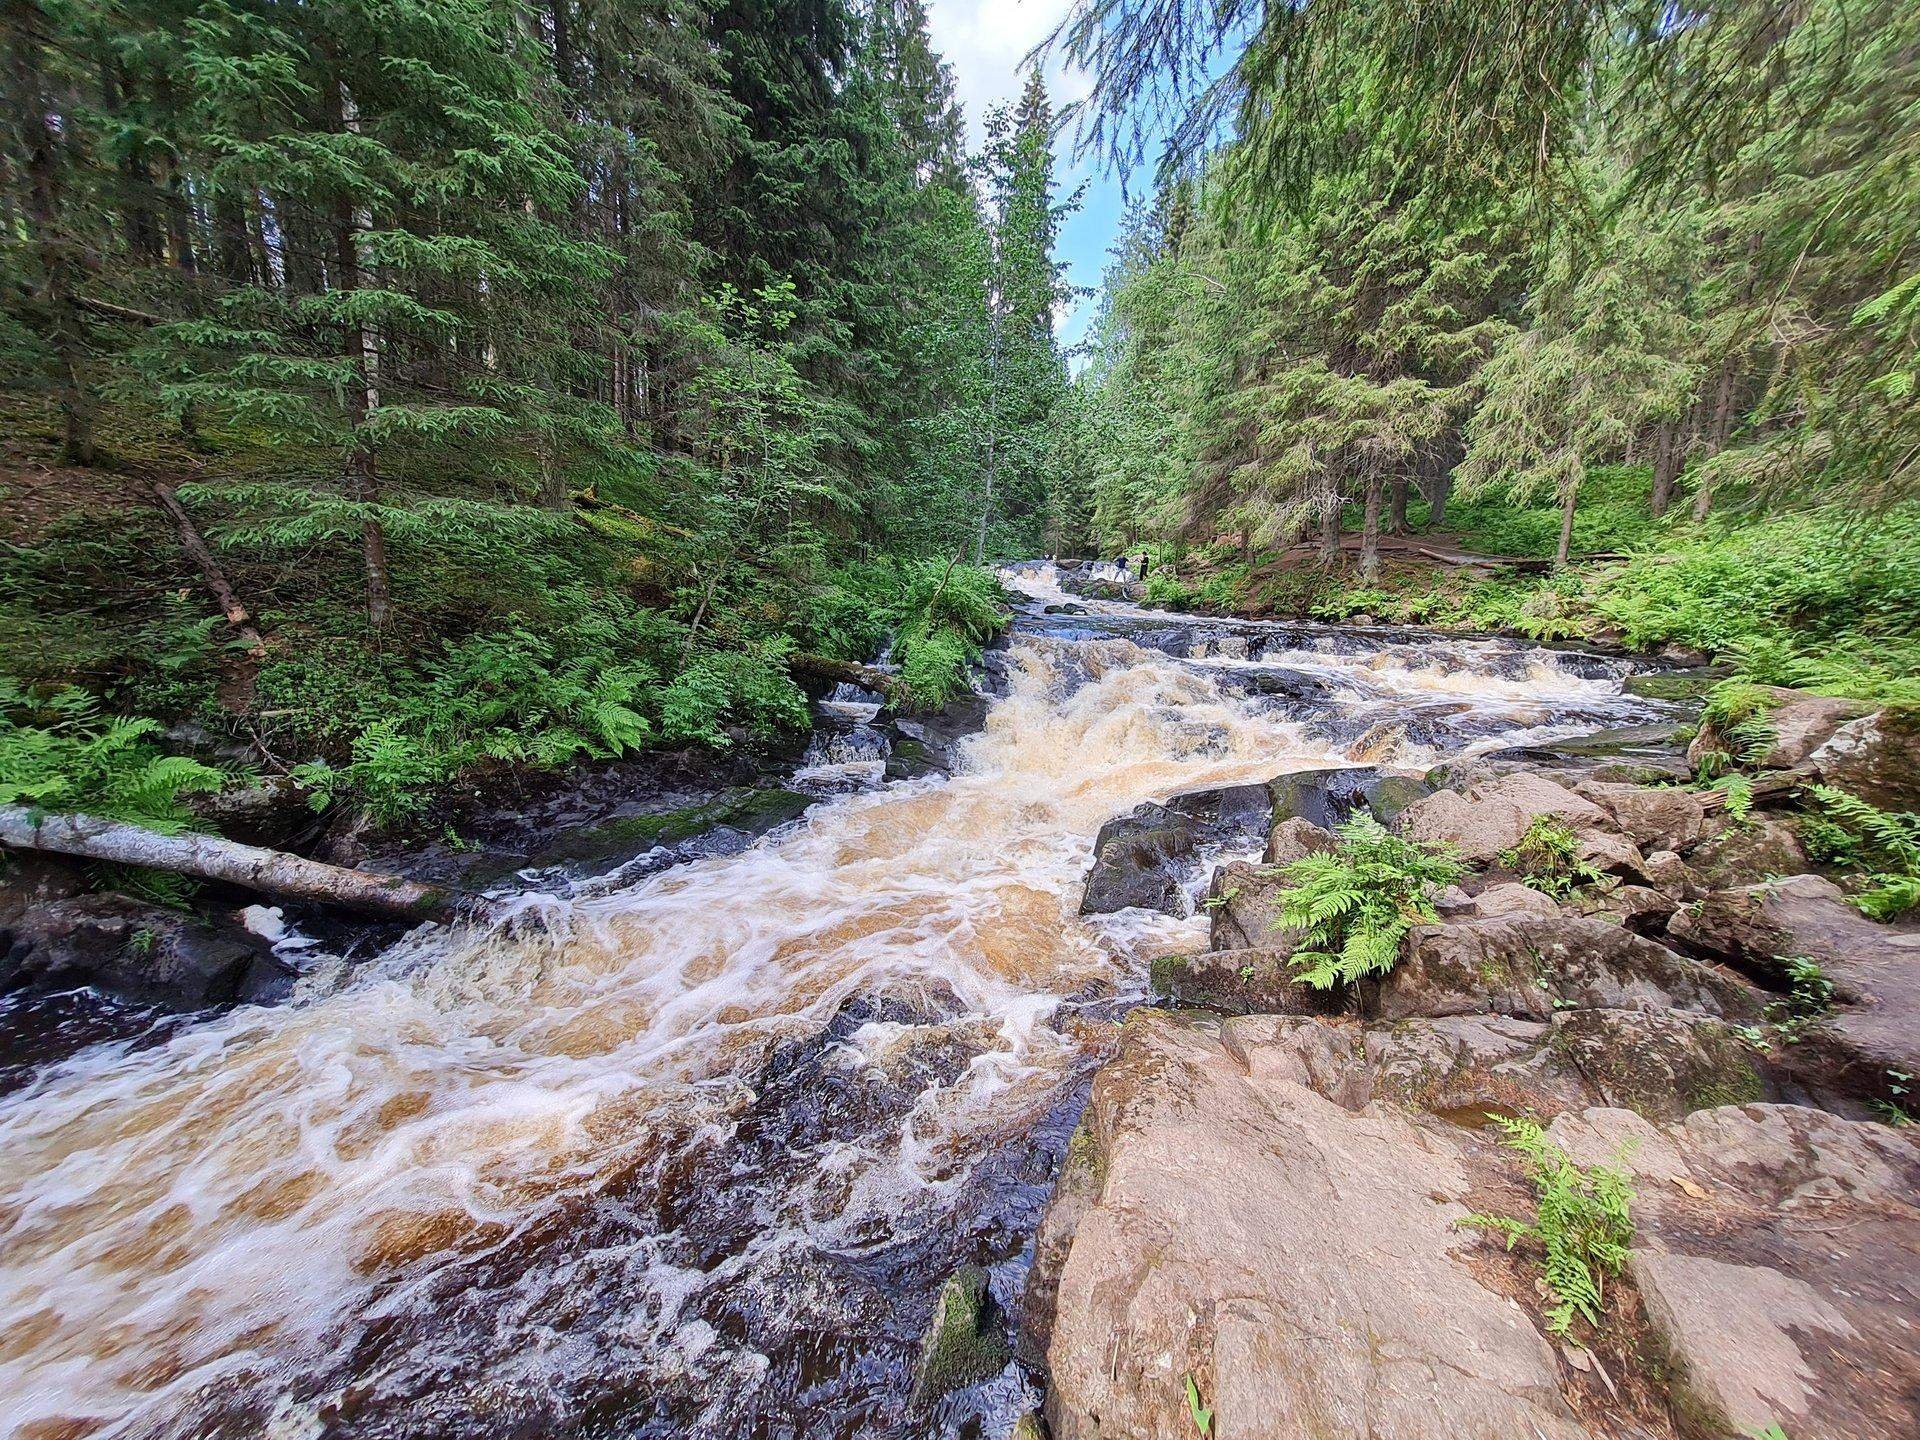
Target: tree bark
{"type": "Point", "coordinates": [208, 857]}
{"type": "Point", "coordinates": [847, 671]}
{"type": "Point", "coordinates": [1370, 531]}
{"type": "Point", "coordinates": [53, 251]}
{"type": "Point", "coordinates": [363, 473]}
{"type": "Point", "coordinates": [1567, 501]}
{"type": "Point", "coordinates": [1666, 466]}
{"type": "Point", "coordinates": [1397, 516]}
{"type": "Point", "coordinates": [190, 541]}
{"type": "Point", "coordinates": [1330, 532]}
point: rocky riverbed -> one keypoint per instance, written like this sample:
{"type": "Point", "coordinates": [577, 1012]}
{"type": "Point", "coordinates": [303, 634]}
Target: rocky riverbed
{"type": "Point", "coordinates": [1260, 1214]}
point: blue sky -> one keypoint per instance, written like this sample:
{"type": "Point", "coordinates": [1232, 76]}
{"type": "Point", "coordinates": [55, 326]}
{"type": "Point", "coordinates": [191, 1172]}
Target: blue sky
{"type": "Point", "coordinates": [984, 41]}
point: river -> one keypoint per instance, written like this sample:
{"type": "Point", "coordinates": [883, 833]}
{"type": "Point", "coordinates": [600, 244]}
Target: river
{"type": "Point", "coordinates": [686, 1156]}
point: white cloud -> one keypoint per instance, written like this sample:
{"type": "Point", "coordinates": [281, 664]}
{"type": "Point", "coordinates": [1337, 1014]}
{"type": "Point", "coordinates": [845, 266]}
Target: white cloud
{"type": "Point", "coordinates": [985, 41]}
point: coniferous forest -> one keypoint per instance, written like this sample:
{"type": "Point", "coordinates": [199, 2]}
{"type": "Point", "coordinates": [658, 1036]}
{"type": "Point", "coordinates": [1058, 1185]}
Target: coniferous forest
{"type": "Point", "coordinates": [1630, 281]}
{"type": "Point", "coordinates": [417, 385]}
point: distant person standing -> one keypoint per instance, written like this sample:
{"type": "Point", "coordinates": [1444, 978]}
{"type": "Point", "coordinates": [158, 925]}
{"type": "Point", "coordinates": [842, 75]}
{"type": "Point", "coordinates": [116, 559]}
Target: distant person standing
{"type": "Point", "coordinates": [1143, 564]}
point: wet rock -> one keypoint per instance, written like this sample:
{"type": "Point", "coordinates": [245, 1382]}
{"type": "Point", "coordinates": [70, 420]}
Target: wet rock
{"type": "Point", "coordinates": [1030, 1426]}
{"type": "Point", "coordinates": [1654, 747]}
{"type": "Point", "coordinates": [1145, 858]}
{"type": "Point", "coordinates": [1136, 864]}
{"type": "Point", "coordinates": [1690, 684]}
{"type": "Point", "coordinates": [1654, 818]}
{"type": "Point", "coordinates": [1873, 1029]}
{"type": "Point", "coordinates": [1532, 966]}
{"type": "Point", "coordinates": [1876, 757]}
{"type": "Point", "coordinates": [1220, 1244]}
{"type": "Point", "coordinates": [140, 952]}
{"type": "Point", "coordinates": [963, 1344]}
{"type": "Point", "coordinates": [942, 732]}
{"type": "Point", "coordinates": [1239, 982]}
{"type": "Point", "coordinates": [1327, 797]}
{"type": "Point", "coordinates": [1772, 1253]}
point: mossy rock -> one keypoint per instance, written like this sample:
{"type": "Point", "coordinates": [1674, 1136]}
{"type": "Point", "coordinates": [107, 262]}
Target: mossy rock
{"type": "Point", "coordinates": [1661, 1066]}
{"type": "Point", "coordinates": [963, 1344]}
{"type": "Point", "coordinates": [1029, 1427]}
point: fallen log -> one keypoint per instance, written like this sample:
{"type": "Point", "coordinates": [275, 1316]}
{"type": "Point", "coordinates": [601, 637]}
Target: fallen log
{"type": "Point", "coordinates": [868, 677]}
{"type": "Point", "coordinates": [208, 857]}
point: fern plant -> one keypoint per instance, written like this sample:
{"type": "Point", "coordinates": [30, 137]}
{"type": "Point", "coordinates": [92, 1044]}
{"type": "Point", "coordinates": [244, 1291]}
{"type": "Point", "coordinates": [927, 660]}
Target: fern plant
{"type": "Point", "coordinates": [1884, 846]}
{"type": "Point", "coordinates": [1548, 859]}
{"type": "Point", "coordinates": [1583, 1224]}
{"type": "Point", "coordinates": [61, 753]}
{"type": "Point", "coordinates": [1353, 905]}
{"type": "Point", "coordinates": [1737, 711]}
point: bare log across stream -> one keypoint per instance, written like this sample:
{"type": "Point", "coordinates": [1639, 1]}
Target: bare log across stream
{"type": "Point", "coordinates": [208, 857]}
{"type": "Point", "coordinates": [851, 672]}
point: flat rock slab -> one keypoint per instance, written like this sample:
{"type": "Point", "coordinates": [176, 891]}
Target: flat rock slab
{"type": "Point", "coordinates": [1774, 1254]}
{"type": "Point", "coordinates": [1297, 1259]}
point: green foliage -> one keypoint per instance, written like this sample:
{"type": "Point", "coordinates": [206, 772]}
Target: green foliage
{"type": "Point", "coordinates": [1582, 1225]}
{"type": "Point", "coordinates": [1200, 1414]}
{"type": "Point", "coordinates": [59, 753]}
{"type": "Point", "coordinates": [1548, 859]}
{"type": "Point", "coordinates": [1809, 997]}
{"type": "Point", "coordinates": [1353, 905]}
{"type": "Point", "coordinates": [1882, 846]}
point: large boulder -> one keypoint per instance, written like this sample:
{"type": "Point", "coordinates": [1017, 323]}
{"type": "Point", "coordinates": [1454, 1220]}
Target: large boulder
{"type": "Point", "coordinates": [1653, 817]}
{"type": "Point", "coordinates": [1145, 858]}
{"type": "Point", "coordinates": [1872, 1033]}
{"type": "Point", "coordinates": [1773, 1255]}
{"type": "Point", "coordinates": [1760, 848]}
{"type": "Point", "coordinates": [1466, 1068]}
{"type": "Point", "coordinates": [1531, 966]}
{"type": "Point", "coordinates": [1876, 757]}
{"type": "Point", "coordinates": [1800, 723]}
{"type": "Point", "coordinates": [1493, 815]}
{"type": "Point", "coordinates": [1327, 797]}
{"type": "Point", "coordinates": [1208, 1230]}
{"type": "Point", "coordinates": [140, 951]}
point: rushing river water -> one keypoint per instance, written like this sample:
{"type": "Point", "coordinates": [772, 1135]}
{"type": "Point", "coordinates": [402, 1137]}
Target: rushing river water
{"type": "Point", "coordinates": [687, 1156]}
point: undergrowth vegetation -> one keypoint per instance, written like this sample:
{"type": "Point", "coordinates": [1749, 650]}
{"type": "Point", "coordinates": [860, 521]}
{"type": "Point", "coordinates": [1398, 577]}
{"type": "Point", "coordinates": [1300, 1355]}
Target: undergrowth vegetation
{"type": "Point", "coordinates": [1823, 599]}
{"type": "Point", "coordinates": [1548, 859]}
{"type": "Point", "coordinates": [1352, 906]}
{"type": "Point", "coordinates": [60, 753]}
{"type": "Point", "coordinates": [1582, 1225]}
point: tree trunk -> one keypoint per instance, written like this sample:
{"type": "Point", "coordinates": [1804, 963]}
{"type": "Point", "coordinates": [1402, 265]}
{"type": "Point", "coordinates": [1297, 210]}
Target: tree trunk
{"type": "Point", "coordinates": [847, 671]}
{"type": "Point", "coordinates": [1330, 532]}
{"type": "Point", "coordinates": [1397, 522]}
{"type": "Point", "coordinates": [1666, 466]}
{"type": "Point", "coordinates": [190, 541]}
{"type": "Point", "coordinates": [1370, 531]}
{"type": "Point", "coordinates": [53, 253]}
{"type": "Point", "coordinates": [1438, 494]}
{"type": "Point", "coordinates": [1567, 500]}
{"type": "Point", "coordinates": [363, 472]}
{"type": "Point", "coordinates": [208, 857]}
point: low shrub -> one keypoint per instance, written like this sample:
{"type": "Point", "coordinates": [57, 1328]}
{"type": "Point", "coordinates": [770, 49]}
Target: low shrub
{"type": "Point", "coordinates": [1353, 905]}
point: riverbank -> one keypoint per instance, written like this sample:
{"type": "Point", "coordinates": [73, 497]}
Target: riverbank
{"type": "Point", "coordinates": [1822, 598]}
{"type": "Point", "coordinates": [1260, 1228]}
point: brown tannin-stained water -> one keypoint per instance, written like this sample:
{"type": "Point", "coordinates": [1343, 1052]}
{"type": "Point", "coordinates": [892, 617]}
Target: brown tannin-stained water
{"type": "Point", "coordinates": [687, 1156]}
